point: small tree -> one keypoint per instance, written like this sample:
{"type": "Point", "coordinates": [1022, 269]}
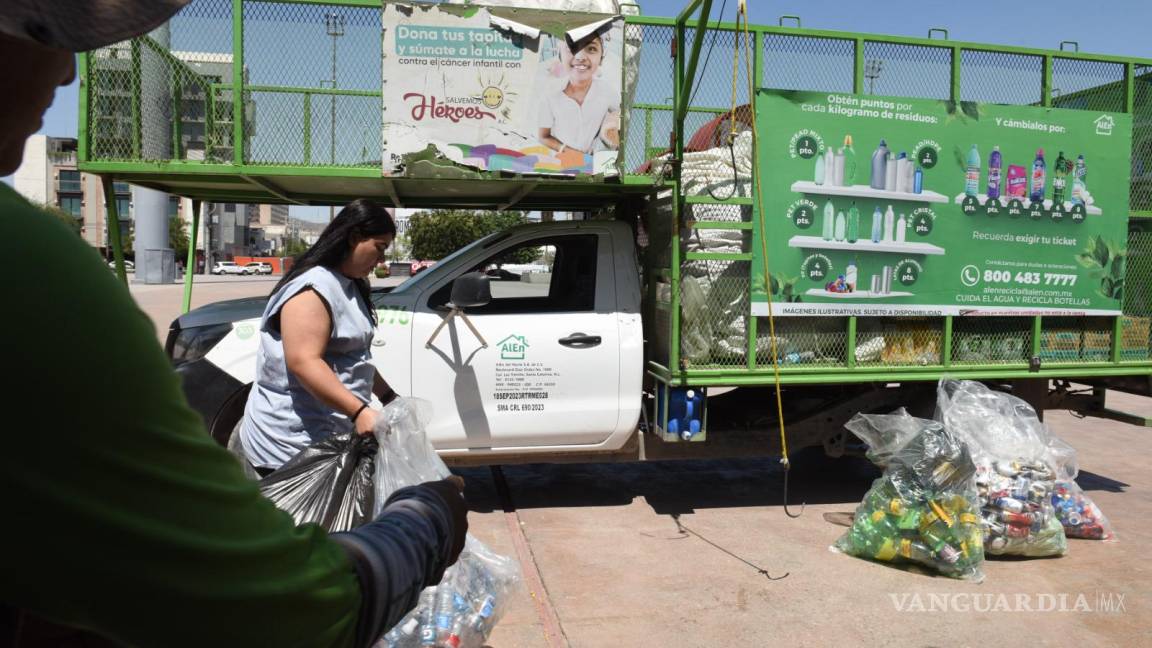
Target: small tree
{"type": "Point", "coordinates": [436, 234]}
{"type": "Point", "coordinates": [178, 237]}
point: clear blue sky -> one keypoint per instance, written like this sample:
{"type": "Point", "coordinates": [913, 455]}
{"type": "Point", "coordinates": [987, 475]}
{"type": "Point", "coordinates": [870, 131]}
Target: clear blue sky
{"type": "Point", "coordinates": [1117, 27]}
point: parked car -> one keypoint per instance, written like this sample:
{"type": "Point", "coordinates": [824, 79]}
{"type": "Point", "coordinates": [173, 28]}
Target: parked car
{"type": "Point", "coordinates": [229, 268]}
{"type": "Point", "coordinates": [259, 267]}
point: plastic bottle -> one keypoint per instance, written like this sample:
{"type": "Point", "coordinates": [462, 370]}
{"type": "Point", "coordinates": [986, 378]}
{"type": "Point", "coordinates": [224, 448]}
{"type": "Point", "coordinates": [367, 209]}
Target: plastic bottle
{"type": "Point", "coordinates": [995, 162]}
{"type": "Point", "coordinates": [819, 171]}
{"type": "Point", "coordinates": [427, 618]}
{"type": "Point", "coordinates": [853, 233]}
{"type": "Point", "coordinates": [850, 276]}
{"type": "Point", "coordinates": [889, 223]}
{"type": "Point", "coordinates": [849, 162]}
{"type": "Point", "coordinates": [838, 176]}
{"type": "Point", "coordinates": [918, 181]}
{"type": "Point", "coordinates": [972, 172]}
{"type": "Point", "coordinates": [901, 229]}
{"type": "Point", "coordinates": [890, 175]}
{"type": "Point", "coordinates": [1038, 173]}
{"type": "Point", "coordinates": [1079, 181]}
{"type": "Point", "coordinates": [910, 176]}
{"type": "Point", "coordinates": [879, 166]}
{"type": "Point", "coordinates": [877, 224]}
{"type": "Point", "coordinates": [829, 166]}
{"type": "Point", "coordinates": [1059, 179]}
{"type": "Point", "coordinates": [841, 225]}
{"type": "Point", "coordinates": [445, 612]}
{"type": "Point", "coordinates": [828, 226]}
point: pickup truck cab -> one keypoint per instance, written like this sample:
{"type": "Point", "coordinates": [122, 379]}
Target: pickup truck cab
{"type": "Point", "coordinates": [557, 366]}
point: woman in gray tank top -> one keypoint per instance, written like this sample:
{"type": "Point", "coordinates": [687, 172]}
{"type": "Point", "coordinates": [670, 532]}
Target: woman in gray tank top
{"type": "Point", "coordinates": [314, 374]}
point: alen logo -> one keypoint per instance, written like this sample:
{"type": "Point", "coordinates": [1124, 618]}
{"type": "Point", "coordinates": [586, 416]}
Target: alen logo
{"type": "Point", "coordinates": [513, 347]}
{"type": "Point", "coordinates": [429, 107]}
{"type": "Point", "coordinates": [1105, 124]}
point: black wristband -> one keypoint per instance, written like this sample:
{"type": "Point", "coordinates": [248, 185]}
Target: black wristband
{"type": "Point", "coordinates": [357, 414]}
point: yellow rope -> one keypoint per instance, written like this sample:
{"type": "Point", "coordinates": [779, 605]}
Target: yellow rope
{"type": "Point", "coordinates": [742, 20]}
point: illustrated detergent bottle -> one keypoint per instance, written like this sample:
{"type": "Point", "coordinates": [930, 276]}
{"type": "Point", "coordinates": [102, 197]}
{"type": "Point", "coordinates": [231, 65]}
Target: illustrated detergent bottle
{"type": "Point", "coordinates": [841, 225]}
{"type": "Point", "coordinates": [1038, 173]}
{"type": "Point", "coordinates": [853, 224]}
{"type": "Point", "coordinates": [889, 223]}
{"type": "Point", "coordinates": [850, 276]}
{"type": "Point", "coordinates": [972, 172]}
{"type": "Point", "coordinates": [1079, 181]}
{"type": "Point", "coordinates": [849, 162]}
{"type": "Point", "coordinates": [994, 164]}
{"type": "Point", "coordinates": [1059, 179]}
{"type": "Point", "coordinates": [828, 226]}
{"type": "Point", "coordinates": [877, 224]}
{"type": "Point", "coordinates": [901, 229]}
{"type": "Point", "coordinates": [818, 173]}
{"type": "Point", "coordinates": [879, 166]}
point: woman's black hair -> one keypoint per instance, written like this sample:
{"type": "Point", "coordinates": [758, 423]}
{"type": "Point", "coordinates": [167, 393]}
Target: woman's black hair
{"type": "Point", "coordinates": [358, 220]}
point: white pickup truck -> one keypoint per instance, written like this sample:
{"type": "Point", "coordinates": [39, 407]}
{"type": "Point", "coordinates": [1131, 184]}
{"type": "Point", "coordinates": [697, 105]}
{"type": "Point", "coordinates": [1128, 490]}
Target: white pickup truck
{"type": "Point", "coordinates": [558, 369]}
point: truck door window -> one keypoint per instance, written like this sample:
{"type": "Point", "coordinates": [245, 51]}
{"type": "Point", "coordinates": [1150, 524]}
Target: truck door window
{"type": "Point", "coordinates": [556, 274]}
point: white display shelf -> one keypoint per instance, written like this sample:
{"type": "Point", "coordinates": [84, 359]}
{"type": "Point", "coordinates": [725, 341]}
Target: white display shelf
{"type": "Point", "coordinates": [864, 245]}
{"type": "Point", "coordinates": [864, 191]}
{"type": "Point", "coordinates": [983, 198]}
{"type": "Point", "coordinates": [859, 294]}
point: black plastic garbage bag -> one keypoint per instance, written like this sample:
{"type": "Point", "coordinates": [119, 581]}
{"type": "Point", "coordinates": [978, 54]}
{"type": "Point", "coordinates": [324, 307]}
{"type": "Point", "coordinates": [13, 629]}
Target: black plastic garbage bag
{"type": "Point", "coordinates": [330, 483]}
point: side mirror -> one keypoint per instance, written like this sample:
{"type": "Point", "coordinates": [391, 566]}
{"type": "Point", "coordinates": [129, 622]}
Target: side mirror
{"type": "Point", "coordinates": [470, 290]}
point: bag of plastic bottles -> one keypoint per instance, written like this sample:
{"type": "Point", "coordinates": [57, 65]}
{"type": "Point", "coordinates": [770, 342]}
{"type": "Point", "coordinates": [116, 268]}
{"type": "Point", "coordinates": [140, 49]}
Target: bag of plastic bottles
{"type": "Point", "coordinates": [1076, 511]}
{"type": "Point", "coordinates": [329, 483]}
{"type": "Point", "coordinates": [472, 597]}
{"type": "Point", "coordinates": [1015, 471]}
{"type": "Point", "coordinates": [923, 509]}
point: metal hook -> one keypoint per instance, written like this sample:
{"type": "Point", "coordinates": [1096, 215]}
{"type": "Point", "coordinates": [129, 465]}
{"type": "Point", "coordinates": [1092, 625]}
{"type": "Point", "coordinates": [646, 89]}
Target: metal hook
{"type": "Point", "coordinates": [803, 505]}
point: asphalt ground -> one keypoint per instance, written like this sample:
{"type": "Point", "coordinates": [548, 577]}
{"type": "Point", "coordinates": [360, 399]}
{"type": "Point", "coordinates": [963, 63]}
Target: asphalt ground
{"type": "Point", "coordinates": [702, 554]}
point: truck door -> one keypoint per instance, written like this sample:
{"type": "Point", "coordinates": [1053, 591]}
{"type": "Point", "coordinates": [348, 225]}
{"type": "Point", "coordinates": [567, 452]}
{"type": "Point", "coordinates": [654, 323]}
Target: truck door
{"type": "Point", "coordinates": [550, 375]}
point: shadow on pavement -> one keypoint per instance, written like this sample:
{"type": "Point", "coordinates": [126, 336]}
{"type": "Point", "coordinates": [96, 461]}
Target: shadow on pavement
{"type": "Point", "coordinates": [1090, 481]}
{"type": "Point", "coordinates": [674, 487]}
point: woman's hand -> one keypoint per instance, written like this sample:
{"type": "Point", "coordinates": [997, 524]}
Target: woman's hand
{"type": "Point", "coordinates": [365, 422]}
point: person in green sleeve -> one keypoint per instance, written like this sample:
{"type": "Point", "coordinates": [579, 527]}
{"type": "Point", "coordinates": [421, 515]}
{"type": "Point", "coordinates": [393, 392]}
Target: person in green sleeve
{"type": "Point", "coordinates": [121, 516]}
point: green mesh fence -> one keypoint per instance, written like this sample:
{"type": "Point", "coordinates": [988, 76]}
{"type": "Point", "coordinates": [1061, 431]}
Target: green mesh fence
{"type": "Point", "coordinates": [808, 63]}
{"type": "Point", "coordinates": [1076, 339]}
{"type": "Point", "coordinates": [991, 340]}
{"type": "Point", "coordinates": [1088, 85]}
{"type": "Point", "coordinates": [898, 70]}
{"type": "Point", "coordinates": [1136, 331]}
{"type": "Point", "coordinates": [899, 341]}
{"type": "Point", "coordinates": [1001, 77]}
{"type": "Point", "coordinates": [1141, 197]}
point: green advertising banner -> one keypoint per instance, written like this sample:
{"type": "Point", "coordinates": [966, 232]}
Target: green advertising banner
{"type": "Point", "coordinates": [880, 206]}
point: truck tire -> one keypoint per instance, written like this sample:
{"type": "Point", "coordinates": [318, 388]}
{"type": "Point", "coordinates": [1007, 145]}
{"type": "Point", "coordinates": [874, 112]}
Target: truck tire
{"type": "Point", "coordinates": [228, 417]}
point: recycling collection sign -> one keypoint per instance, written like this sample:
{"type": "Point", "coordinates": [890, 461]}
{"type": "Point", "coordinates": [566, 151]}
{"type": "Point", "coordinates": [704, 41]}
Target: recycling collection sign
{"type": "Point", "coordinates": [883, 206]}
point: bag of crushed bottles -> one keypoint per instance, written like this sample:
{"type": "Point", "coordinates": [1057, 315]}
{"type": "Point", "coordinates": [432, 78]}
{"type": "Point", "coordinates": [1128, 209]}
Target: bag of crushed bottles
{"type": "Point", "coordinates": [1015, 472]}
{"type": "Point", "coordinates": [1076, 511]}
{"type": "Point", "coordinates": [463, 609]}
{"type": "Point", "coordinates": [923, 509]}
{"type": "Point", "coordinates": [329, 483]}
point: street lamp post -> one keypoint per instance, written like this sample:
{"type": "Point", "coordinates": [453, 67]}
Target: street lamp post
{"type": "Point", "coordinates": [872, 69]}
{"type": "Point", "coordinates": [334, 26]}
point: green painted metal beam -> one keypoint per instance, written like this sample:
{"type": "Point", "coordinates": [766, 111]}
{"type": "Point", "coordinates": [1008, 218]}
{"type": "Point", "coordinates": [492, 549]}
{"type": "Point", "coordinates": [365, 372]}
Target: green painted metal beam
{"type": "Point", "coordinates": [694, 58]}
{"type": "Point", "coordinates": [112, 212]}
{"type": "Point", "coordinates": [83, 136]}
{"type": "Point", "coordinates": [238, 153]}
{"type": "Point", "coordinates": [190, 265]}
{"type": "Point", "coordinates": [302, 90]}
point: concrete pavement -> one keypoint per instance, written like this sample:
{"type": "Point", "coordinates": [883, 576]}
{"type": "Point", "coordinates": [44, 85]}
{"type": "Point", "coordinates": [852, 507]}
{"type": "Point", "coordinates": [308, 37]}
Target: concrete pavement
{"type": "Point", "coordinates": [701, 554]}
